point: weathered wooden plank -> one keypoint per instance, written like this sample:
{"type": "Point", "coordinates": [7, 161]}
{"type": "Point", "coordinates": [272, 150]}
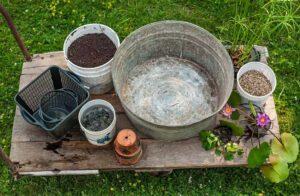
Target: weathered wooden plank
{"type": "Point", "coordinates": [44, 60]}
{"type": "Point", "coordinates": [25, 132]}
{"type": "Point", "coordinates": [80, 155]}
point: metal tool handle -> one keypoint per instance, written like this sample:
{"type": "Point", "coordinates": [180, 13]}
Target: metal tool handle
{"type": "Point", "coordinates": [15, 33]}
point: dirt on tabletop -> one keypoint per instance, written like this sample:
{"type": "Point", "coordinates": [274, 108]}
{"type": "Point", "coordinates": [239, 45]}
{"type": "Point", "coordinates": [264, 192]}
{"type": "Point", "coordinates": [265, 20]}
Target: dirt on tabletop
{"type": "Point", "coordinates": [255, 83]}
{"type": "Point", "coordinates": [91, 50]}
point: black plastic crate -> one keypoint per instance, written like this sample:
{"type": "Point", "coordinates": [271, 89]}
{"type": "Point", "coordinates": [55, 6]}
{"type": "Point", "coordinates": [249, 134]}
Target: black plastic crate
{"type": "Point", "coordinates": [54, 78]}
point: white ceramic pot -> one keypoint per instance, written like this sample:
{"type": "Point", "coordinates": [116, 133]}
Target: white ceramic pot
{"type": "Point", "coordinates": [267, 71]}
{"type": "Point", "coordinates": [103, 137]}
{"type": "Point", "coordinates": [98, 79]}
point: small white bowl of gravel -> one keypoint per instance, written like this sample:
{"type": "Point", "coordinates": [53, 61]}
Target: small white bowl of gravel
{"type": "Point", "coordinates": [256, 81]}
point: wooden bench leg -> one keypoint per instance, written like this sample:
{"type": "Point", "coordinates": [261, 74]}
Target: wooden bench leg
{"type": "Point", "coordinates": [12, 167]}
{"type": "Point", "coordinates": [161, 173]}
{"type": "Point", "coordinates": [156, 172]}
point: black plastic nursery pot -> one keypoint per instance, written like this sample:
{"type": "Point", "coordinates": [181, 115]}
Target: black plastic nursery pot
{"type": "Point", "coordinates": [54, 78]}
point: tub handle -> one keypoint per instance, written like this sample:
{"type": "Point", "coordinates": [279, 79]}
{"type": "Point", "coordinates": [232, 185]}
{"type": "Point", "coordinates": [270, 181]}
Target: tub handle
{"type": "Point", "coordinates": [77, 79]}
{"type": "Point", "coordinates": [28, 118]}
{"type": "Point", "coordinates": [74, 76]}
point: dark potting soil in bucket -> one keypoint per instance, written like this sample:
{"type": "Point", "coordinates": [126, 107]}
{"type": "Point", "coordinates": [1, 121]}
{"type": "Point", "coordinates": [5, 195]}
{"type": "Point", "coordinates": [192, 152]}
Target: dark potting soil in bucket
{"type": "Point", "coordinates": [91, 50]}
{"type": "Point", "coordinates": [97, 118]}
{"type": "Point", "coordinates": [170, 91]}
{"type": "Point", "coordinates": [255, 83]}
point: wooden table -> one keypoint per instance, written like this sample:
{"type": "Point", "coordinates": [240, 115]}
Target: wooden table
{"type": "Point", "coordinates": [37, 153]}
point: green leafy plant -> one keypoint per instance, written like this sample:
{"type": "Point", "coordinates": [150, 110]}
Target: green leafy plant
{"type": "Point", "coordinates": [231, 149]}
{"type": "Point", "coordinates": [287, 149]}
{"type": "Point", "coordinates": [277, 171]}
{"type": "Point", "coordinates": [283, 149]}
{"type": "Point", "coordinates": [231, 114]}
{"type": "Point", "coordinates": [234, 99]}
{"type": "Point", "coordinates": [236, 129]}
{"type": "Point", "coordinates": [209, 140]}
{"type": "Point", "coordinates": [252, 108]}
{"type": "Point", "coordinates": [228, 149]}
{"type": "Point", "coordinates": [258, 155]}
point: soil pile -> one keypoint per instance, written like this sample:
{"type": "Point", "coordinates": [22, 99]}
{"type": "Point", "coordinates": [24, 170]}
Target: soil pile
{"type": "Point", "coordinates": [91, 50]}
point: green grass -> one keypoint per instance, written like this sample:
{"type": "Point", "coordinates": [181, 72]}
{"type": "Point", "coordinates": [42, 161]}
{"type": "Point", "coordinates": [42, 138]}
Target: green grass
{"type": "Point", "coordinates": [44, 26]}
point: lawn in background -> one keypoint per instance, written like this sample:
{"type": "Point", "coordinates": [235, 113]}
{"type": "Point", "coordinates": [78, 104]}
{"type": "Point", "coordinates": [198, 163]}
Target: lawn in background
{"type": "Point", "coordinates": [44, 26]}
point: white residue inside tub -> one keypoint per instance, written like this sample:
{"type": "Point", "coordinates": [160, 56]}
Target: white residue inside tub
{"type": "Point", "coordinates": [170, 91]}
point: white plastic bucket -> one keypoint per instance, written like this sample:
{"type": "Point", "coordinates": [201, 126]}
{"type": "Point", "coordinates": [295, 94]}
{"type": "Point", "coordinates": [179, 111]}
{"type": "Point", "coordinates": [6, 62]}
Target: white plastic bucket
{"type": "Point", "coordinates": [103, 137]}
{"type": "Point", "coordinates": [264, 69]}
{"type": "Point", "coordinates": [98, 79]}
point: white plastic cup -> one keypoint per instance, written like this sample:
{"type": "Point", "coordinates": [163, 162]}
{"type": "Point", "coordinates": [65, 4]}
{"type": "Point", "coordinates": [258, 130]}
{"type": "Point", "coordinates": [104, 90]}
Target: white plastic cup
{"type": "Point", "coordinates": [98, 79]}
{"type": "Point", "coordinates": [264, 69]}
{"type": "Point", "coordinates": [103, 137]}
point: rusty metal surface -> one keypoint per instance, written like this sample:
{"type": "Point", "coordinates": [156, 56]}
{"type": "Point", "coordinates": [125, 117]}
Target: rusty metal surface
{"type": "Point", "coordinates": [172, 78]}
{"type": "Point", "coordinates": [15, 33]}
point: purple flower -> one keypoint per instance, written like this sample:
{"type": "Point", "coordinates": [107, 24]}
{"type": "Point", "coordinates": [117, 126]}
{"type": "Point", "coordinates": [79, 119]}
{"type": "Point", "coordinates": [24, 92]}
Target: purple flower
{"type": "Point", "coordinates": [262, 120]}
{"type": "Point", "coordinates": [227, 110]}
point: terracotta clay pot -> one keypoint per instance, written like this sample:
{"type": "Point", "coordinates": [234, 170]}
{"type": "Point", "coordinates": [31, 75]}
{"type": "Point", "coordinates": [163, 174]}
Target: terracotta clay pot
{"type": "Point", "coordinates": [127, 147]}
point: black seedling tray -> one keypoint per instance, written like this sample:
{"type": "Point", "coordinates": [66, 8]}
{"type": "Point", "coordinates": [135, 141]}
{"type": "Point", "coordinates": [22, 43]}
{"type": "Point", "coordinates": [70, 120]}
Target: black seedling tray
{"type": "Point", "coordinates": [54, 78]}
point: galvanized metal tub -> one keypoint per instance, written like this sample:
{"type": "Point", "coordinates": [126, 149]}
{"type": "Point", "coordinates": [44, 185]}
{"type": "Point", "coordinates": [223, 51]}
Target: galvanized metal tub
{"type": "Point", "coordinates": [172, 78]}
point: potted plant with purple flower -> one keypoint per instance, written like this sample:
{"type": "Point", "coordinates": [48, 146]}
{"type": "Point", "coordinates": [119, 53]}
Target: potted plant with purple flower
{"type": "Point", "coordinates": [249, 122]}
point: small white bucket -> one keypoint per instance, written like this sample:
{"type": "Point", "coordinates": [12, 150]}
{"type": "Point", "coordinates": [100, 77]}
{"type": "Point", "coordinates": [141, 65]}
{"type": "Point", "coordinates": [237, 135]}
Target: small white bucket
{"type": "Point", "coordinates": [103, 137]}
{"type": "Point", "coordinates": [264, 69]}
{"type": "Point", "coordinates": [98, 79]}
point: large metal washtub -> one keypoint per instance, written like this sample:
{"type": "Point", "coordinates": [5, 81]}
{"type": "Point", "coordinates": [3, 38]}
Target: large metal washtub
{"type": "Point", "coordinates": [182, 40]}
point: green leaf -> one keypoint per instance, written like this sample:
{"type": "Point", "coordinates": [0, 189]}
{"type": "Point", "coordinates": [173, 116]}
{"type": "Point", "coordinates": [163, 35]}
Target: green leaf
{"type": "Point", "coordinates": [258, 155]}
{"type": "Point", "coordinates": [235, 115]}
{"type": "Point", "coordinates": [234, 99]}
{"type": "Point", "coordinates": [274, 159]}
{"type": "Point", "coordinates": [289, 150]}
{"type": "Point", "coordinates": [232, 147]}
{"type": "Point", "coordinates": [203, 134]}
{"type": "Point", "coordinates": [228, 156]}
{"type": "Point", "coordinates": [218, 152]}
{"type": "Point", "coordinates": [208, 140]}
{"type": "Point", "coordinates": [240, 152]}
{"type": "Point", "coordinates": [276, 172]}
{"type": "Point", "coordinates": [236, 129]}
{"type": "Point", "coordinates": [252, 109]}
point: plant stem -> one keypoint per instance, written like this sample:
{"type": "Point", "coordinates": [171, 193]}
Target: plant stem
{"type": "Point", "coordinates": [258, 138]}
{"type": "Point", "coordinates": [245, 113]}
{"type": "Point", "coordinates": [267, 130]}
{"type": "Point", "coordinates": [279, 139]}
